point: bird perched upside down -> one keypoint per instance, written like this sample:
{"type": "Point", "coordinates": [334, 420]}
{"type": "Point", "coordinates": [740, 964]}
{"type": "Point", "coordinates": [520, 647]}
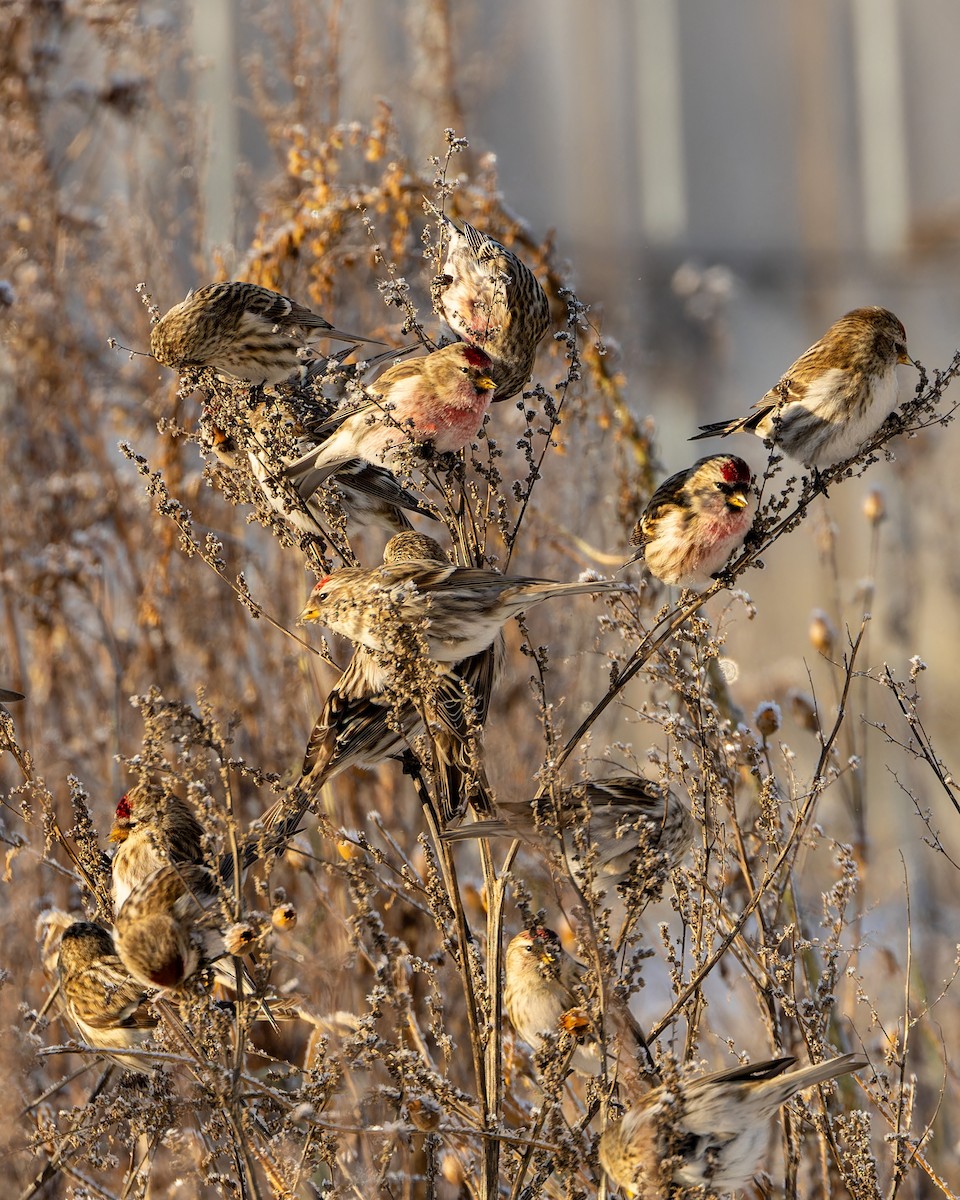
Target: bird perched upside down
{"type": "Point", "coordinates": [108, 1007]}
{"type": "Point", "coordinates": [491, 299]}
{"type": "Point", "coordinates": [696, 520]}
{"type": "Point", "coordinates": [171, 926]}
{"type": "Point", "coordinates": [242, 330]}
{"type": "Point", "coordinates": [835, 396]}
{"type": "Point", "coordinates": [707, 1132]}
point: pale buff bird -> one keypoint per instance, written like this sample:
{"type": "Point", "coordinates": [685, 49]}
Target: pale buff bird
{"type": "Point", "coordinates": [708, 1132]}
{"type": "Point", "coordinates": [835, 396]}
{"type": "Point", "coordinates": [544, 999]}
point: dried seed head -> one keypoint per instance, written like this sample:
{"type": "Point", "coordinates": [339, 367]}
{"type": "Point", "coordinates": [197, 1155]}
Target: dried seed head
{"type": "Point", "coordinates": [875, 506]}
{"type": "Point", "coordinates": [822, 633]}
{"type": "Point", "coordinates": [348, 850]}
{"type": "Point", "coordinates": [576, 1022]}
{"type": "Point", "coordinates": [767, 719]}
{"type": "Point", "coordinates": [297, 857]}
{"type": "Point", "coordinates": [804, 711]}
{"type": "Point", "coordinates": [238, 939]}
{"type": "Point", "coordinates": [284, 917]}
{"type": "Point", "coordinates": [451, 1168]}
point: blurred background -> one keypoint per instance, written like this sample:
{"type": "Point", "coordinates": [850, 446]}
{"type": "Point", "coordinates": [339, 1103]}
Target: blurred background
{"type": "Point", "coordinates": [723, 181]}
{"type": "Point", "coordinates": [719, 182]}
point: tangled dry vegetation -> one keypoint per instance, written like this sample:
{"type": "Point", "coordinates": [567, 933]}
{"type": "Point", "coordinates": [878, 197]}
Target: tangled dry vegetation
{"type": "Point", "coordinates": [149, 599]}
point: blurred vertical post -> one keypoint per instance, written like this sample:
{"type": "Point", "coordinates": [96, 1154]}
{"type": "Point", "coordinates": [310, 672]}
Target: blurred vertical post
{"type": "Point", "coordinates": [881, 125]}
{"type": "Point", "coordinates": [817, 133]}
{"type": "Point", "coordinates": [435, 59]}
{"type": "Point", "coordinates": [213, 39]}
{"type": "Point", "coordinates": [662, 184]}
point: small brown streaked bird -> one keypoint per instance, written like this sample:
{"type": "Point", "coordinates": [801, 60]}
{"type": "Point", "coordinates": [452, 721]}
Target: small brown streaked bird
{"type": "Point", "coordinates": [109, 1009]}
{"type": "Point", "coordinates": [241, 330]}
{"type": "Point", "coordinates": [492, 299]}
{"type": "Point", "coordinates": [151, 827]}
{"type": "Point", "coordinates": [706, 1133]}
{"type": "Point", "coordinates": [835, 396]}
{"type": "Point", "coordinates": [544, 997]}
{"type": "Point", "coordinates": [171, 926]}
{"type": "Point", "coordinates": [610, 831]}
{"type": "Point", "coordinates": [434, 404]}
{"type": "Point", "coordinates": [455, 611]}
{"type": "Point", "coordinates": [369, 717]}
{"type": "Point", "coordinates": [696, 521]}
{"type": "Point", "coordinates": [277, 431]}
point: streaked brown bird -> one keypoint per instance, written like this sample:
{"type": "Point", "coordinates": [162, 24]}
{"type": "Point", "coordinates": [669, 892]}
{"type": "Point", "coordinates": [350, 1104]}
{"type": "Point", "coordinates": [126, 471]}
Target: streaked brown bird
{"type": "Point", "coordinates": [708, 1132]}
{"type": "Point", "coordinates": [151, 827]}
{"type": "Point", "coordinates": [611, 832]}
{"type": "Point", "coordinates": [109, 1009]}
{"type": "Point", "coordinates": [171, 926]}
{"type": "Point", "coordinates": [370, 715]}
{"type": "Point", "coordinates": [241, 330]}
{"type": "Point", "coordinates": [453, 612]}
{"type": "Point", "coordinates": [490, 298]}
{"type": "Point", "coordinates": [429, 405]}
{"type": "Point", "coordinates": [544, 997]}
{"type": "Point", "coordinates": [835, 396]}
{"type": "Point", "coordinates": [277, 431]}
{"type": "Point", "coordinates": [696, 521]}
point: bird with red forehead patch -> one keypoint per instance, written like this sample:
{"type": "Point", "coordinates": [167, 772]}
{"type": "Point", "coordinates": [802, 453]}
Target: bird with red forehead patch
{"type": "Point", "coordinates": [449, 612]}
{"type": "Point", "coordinates": [696, 520]}
{"type": "Point", "coordinates": [437, 401]}
{"type": "Point", "coordinates": [151, 827]}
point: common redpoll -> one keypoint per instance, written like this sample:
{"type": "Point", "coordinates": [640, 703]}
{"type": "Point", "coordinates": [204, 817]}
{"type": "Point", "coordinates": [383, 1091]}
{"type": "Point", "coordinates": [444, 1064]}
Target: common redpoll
{"type": "Point", "coordinates": [544, 996]}
{"type": "Point", "coordinates": [242, 330]}
{"type": "Point", "coordinates": [371, 715]}
{"type": "Point", "coordinates": [109, 1009]}
{"type": "Point", "coordinates": [707, 1132]}
{"type": "Point", "coordinates": [171, 925]}
{"type": "Point", "coordinates": [455, 611]}
{"type": "Point", "coordinates": [491, 299]}
{"type": "Point", "coordinates": [695, 521]}
{"type": "Point", "coordinates": [438, 400]}
{"type": "Point", "coordinates": [611, 831]}
{"type": "Point", "coordinates": [835, 396]}
{"type": "Point", "coordinates": [275, 432]}
{"type": "Point", "coordinates": [152, 827]}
